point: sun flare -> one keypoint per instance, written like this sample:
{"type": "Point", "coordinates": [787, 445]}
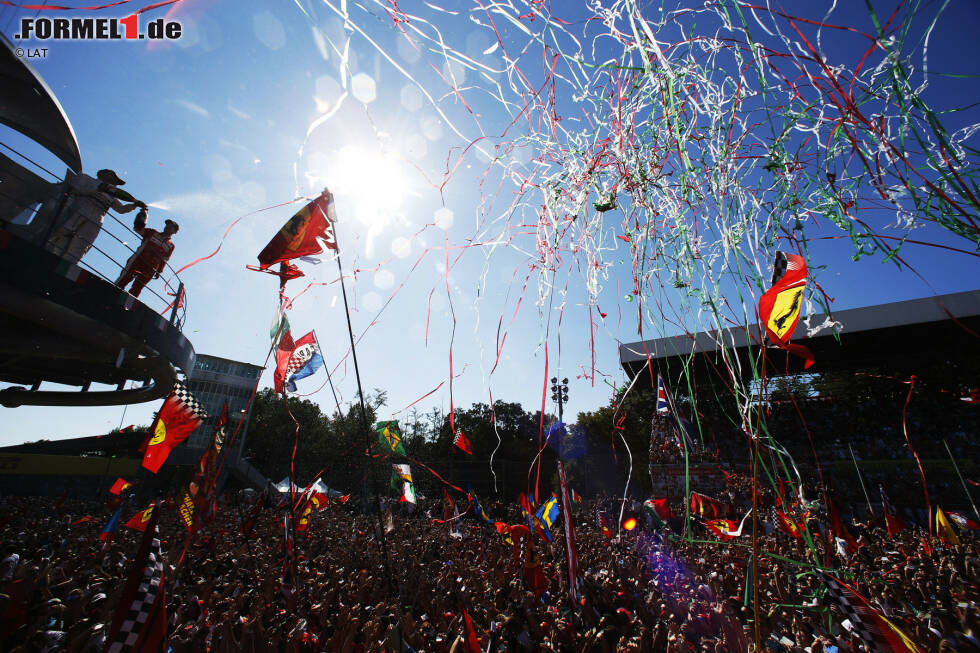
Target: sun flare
{"type": "Point", "coordinates": [367, 182]}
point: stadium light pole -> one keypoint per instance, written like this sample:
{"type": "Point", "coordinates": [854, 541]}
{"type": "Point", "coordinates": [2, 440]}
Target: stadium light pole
{"type": "Point", "coordinates": [559, 393]}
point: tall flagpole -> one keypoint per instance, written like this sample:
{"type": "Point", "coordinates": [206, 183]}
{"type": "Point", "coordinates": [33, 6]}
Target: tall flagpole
{"type": "Point", "coordinates": [871, 512]}
{"type": "Point", "coordinates": [755, 532]}
{"type": "Point", "coordinates": [757, 631]}
{"type": "Point", "coordinates": [336, 401]}
{"type": "Point", "coordinates": [364, 421]}
{"type": "Point", "coordinates": [965, 489]}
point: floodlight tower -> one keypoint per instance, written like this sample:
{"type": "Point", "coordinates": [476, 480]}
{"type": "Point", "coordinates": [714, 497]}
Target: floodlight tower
{"type": "Point", "coordinates": [559, 393]}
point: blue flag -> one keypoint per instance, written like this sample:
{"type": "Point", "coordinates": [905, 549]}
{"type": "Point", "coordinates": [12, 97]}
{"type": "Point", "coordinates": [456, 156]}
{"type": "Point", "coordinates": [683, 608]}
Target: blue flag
{"type": "Point", "coordinates": [547, 514]}
{"type": "Point", "coordinates": [304, 361]}
{"type": "Point", "coordinates": [316, 362]}
{"type": "Point", "coordinates": [110, 529]}
{"type": "Point", "coordinates": [478, 510]}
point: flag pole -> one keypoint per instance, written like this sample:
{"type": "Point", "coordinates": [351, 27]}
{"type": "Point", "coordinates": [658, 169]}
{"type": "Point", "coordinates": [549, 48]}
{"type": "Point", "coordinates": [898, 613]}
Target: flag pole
{"type": "Point", "coordinates": [861, 478]}
{"type": "Point", "coordinates": [336, 401]}
{"type": "Point", "coordinates": [364, 422]}
{"type": "Point", "coordinates": [757, 631]}
{"type": "Point", "coordinates": [452, 457]}
{"type": "Point", "coordinates": [108, 459]}
{"type": "Point", "coordinates": [965, 488]}
{"type": "Point", "coordinates": [755, 528]}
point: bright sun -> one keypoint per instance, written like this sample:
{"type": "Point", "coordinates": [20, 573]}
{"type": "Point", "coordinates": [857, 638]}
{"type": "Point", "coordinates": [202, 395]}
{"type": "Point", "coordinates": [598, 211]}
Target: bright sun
{"type": "Point", "coordinates": [365, 180]}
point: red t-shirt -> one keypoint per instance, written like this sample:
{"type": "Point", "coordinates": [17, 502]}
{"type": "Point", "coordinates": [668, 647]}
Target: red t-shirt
{"type": "Point", "coordinates": [153, 252]}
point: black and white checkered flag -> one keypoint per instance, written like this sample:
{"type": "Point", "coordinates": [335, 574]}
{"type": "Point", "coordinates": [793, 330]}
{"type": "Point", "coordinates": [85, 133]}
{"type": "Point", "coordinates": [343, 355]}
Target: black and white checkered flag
{"type": "Point", "coordinates": [143, 604]}
{"type": "Point", "coordinates": [184, 396]}
{"type": "Point", "coordinates": [778, 268]}
{"type": "Point", "coordinates": [140, 622]}
{"type": "Point", "coordinates": [877, 632]}
{"type": "Point", "coordinates": [840, 597]}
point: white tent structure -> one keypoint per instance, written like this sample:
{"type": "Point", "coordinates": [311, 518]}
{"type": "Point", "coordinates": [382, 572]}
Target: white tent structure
{"type": "Point", "coordinates": [285, 485]}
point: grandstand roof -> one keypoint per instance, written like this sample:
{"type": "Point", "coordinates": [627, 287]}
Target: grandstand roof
{"type": "Point", "coordinates": [899, 333]}
{"type": "Point", "coordinates": [124, 444]}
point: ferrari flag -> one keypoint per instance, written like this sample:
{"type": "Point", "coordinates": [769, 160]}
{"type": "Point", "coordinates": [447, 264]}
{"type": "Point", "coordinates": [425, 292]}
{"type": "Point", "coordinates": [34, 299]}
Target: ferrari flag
{"type": "Point", "coordinates": [120, 485]}
{"type": "Point", "coordinates": [963, 521]}
{"type": "Point", "coordinates": [180, 415]}
{"type": "Point", "coordinates": [140, 520]}
{"type": "Point", "coordinates": [779, 307]}
{"type": "Point", "coordinates": [723, 528]}
{"type": "Point", "coordinates": [307, 233]}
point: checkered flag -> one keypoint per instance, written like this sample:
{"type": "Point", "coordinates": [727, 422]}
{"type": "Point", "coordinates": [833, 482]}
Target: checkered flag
{"type": "Point", "coordinates": [785, 263]}
{"type": "Point", "coordinates": [140, 622]}
{"type": "Point", "coordinates": [778, 268]}
{"type": "Point", "coordinates": [301, 356]}
{"type": "Point", "coordinates": [189, 401]}
{"type": "Point", "coordinates": [878, 633]}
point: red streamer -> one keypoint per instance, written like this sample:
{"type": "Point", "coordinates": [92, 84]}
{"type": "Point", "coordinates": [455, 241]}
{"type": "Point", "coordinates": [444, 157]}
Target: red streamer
{"type": "Point", "coordinates": [905, 430]}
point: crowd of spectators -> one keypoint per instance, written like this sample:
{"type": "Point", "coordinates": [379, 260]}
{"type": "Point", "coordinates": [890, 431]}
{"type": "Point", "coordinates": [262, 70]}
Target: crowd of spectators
{"type": "Point", "coordinates": [649, 589]}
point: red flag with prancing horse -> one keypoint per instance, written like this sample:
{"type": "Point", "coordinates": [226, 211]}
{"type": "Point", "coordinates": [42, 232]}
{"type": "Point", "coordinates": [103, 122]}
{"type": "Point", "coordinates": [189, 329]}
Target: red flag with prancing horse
{"type": "Point", "coordinates": [307, 233]}
{"type": "Point", "coordinates": [180, 414]}
{"type": "Point", "coordinates": [779, 307]}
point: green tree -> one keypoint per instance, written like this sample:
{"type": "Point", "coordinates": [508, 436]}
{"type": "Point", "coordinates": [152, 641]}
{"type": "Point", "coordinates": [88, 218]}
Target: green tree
{"type": "Point", "coordinates": [786, 388]}
{"type": "Point", "coordinates": [331, 445]}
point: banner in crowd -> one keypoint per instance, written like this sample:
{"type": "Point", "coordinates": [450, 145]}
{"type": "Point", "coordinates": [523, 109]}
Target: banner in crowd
{"type": "Point", "coordinates": [877, 632]}
{"type": "Point", "coordinates": [186, 510]}
{"type": "Point", "coordinates": [140, 520]}
{"type": "Point", "coordinates": [140, 620]}
{"type": "Point", "coordinates": [571, 556]}
{"type": "Point", "coordinates": [120, 486]}
{"type": "Point", "coordinates": [944, 529]}
{"type": "Point", "coordinates": [390, 437]}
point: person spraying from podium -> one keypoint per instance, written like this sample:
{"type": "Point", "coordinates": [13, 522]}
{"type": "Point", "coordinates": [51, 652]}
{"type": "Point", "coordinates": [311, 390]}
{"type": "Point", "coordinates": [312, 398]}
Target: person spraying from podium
{"type": "Point", "coordinates": [148, 261]}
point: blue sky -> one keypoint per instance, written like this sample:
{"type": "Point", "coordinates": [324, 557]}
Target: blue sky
{"type": "Point", "coordinates": [259, 103]}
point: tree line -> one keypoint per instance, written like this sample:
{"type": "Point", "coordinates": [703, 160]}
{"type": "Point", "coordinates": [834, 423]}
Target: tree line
{"type": "Point", "coordinates": [504, 440]}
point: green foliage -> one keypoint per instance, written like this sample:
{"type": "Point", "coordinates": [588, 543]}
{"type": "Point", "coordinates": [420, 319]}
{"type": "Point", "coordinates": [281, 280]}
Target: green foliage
{"type": "Point", "coordinates": [328, 443]}
{"type": "Point", "coordinates": [604, 469]}
{"type": "Point", "coordinates": [518, 445]}
{"type": "Point", "coordinates": [335, 444]}
{"type": "Point", "coordinates": [786, 388]}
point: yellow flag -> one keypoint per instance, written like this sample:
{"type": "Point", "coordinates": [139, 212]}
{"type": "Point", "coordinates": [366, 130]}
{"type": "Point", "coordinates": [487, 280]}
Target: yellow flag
{"type": "Point", "coordinates": [944, 528]}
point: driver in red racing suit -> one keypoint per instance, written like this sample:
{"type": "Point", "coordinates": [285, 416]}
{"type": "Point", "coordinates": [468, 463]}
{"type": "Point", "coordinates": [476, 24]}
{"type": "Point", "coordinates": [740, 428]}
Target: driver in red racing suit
{"type": "Point", "coordinates": [148, 261]}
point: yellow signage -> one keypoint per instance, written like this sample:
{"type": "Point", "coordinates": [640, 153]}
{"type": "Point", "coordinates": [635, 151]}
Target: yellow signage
{"type": "Point", "coordinates": [49, 465]}
{"type": "Point", "coordinates": [187, 510]}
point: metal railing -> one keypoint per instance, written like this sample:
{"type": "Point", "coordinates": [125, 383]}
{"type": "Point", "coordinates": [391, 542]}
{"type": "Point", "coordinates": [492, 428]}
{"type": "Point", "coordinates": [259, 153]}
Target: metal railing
{"type": "Point", "coordinates": [107, 254]}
